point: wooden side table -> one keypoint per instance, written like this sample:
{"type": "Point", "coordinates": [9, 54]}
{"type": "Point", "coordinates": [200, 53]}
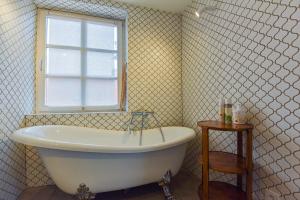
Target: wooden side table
{"type": "Point", "coordinates": [226, 163]}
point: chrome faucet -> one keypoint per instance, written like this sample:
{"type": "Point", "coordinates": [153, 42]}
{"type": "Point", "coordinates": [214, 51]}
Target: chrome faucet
{"type": "Point", "coordinates": [144, 115]}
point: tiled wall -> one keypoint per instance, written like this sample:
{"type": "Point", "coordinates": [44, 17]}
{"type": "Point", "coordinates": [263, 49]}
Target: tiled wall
{"type": "Point", "coordinates": [249, 51]}
{"type": "Point", "coordinates": [17, 33]}
{"type": "Point", "coordinates": [154, 73]}
{"type": "Point", "coordinates": [246, 50]}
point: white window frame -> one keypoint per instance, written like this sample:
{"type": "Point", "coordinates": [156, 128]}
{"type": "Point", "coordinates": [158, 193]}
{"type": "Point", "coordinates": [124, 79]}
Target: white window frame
{"type": "Point", "coordinates": [41, 60]}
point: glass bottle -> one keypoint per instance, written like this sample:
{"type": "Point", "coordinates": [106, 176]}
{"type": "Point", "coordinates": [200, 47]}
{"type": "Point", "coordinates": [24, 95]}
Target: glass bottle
{"type": "Point", "coordinates": [228, 111]}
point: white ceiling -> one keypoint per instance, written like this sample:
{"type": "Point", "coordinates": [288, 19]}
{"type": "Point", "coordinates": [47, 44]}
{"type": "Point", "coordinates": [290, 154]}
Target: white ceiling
{"type": "Point", "coordinates": [166, 5]}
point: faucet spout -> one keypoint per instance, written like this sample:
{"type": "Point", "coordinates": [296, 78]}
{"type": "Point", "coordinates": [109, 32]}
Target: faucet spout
{"type": "Point", "coordinates": [144, 115]}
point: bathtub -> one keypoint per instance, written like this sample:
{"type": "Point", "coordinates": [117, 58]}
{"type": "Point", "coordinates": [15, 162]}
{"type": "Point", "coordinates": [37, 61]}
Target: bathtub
{"type": "Point", "coordinates": [106, 160]}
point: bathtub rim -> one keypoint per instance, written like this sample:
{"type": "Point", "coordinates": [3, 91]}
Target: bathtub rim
{"type": "Point", "coordinates": [30, 140]}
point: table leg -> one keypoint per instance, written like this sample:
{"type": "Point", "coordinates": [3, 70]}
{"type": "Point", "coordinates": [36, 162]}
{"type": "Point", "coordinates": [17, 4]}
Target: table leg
{"type": "Point", "coordinates": [240, 153]}
{"type": "Point", "coordinates": [249, 165]}
{"type": "Point", "coordinates": [205, 177]}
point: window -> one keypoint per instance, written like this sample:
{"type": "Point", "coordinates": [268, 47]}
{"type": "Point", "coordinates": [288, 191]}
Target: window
{"type": "Point", "coordinates": [79, 62]}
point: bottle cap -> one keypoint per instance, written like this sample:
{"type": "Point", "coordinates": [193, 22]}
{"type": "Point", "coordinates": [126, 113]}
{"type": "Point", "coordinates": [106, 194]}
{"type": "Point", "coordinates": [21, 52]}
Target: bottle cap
{"type": "Point", "coordinates": [237, 107]}
{"type": "Point", "coordinates": [227, 101]}
{"type": "Point", "coordinates": [221, 101]}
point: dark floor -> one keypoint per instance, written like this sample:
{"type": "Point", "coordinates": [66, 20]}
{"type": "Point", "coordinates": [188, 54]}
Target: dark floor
{"type": "Point", "coordinates": [184, 187]}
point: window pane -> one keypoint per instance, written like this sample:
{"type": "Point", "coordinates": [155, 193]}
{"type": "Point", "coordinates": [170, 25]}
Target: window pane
{"type": "Point", "coordinates": [102, 64]}
{"type": "Point", "coordinates": [63, 62]}
{"type": "Point", "coordinates": [101, 92]}
{"type": "Point", "coordinates": [63, 32]}
{"type": "Point", "coordinates": [63, 92]}
{"type": "Point", "coordinates": [102, 36]}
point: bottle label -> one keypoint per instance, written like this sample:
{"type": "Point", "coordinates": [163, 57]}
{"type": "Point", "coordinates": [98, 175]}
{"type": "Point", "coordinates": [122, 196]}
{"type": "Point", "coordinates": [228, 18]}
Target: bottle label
{"type": "Point", "coordinates": [222, 115]}
{"type": "Point", "coordinates": [228, 115]}
{"type": "Point", "coordinates": [228, 119]}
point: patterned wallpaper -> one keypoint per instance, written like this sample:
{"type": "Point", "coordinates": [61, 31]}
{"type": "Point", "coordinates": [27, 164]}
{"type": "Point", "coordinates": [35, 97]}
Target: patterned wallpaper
{"type": "Point", "coordinates": [154, 73]}
{"type": "Point", "coordinates": [17, 39]}
{"type": "Point", "coordinates": [248, 51]}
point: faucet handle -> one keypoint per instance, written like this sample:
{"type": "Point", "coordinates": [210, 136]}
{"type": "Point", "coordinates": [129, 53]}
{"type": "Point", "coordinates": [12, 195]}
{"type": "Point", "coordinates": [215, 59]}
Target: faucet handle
{"type": "Point", "coordinates": [148, 112]}
{"type": "Point", "coordinates": [142, 113]}
{"type": "Point", "coordinates": [136, 113]}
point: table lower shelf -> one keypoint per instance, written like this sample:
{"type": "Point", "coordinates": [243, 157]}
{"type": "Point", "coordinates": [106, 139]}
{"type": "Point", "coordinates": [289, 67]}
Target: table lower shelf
{"type": "Point", "coordinates": [225, 162]}
{"type": "Point", "coordinates": [224, 191]}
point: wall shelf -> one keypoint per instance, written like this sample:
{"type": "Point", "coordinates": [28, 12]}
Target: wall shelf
{"type": "Point", "coordinates": [227, 163]}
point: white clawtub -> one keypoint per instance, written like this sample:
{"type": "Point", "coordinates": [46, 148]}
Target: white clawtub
{"type": "Point", "coordinates": [106, 160]}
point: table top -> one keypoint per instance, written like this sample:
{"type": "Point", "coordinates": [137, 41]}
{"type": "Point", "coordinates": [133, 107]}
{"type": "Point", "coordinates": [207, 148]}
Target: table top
{"type": "Point", "coordinates": [217, 125]}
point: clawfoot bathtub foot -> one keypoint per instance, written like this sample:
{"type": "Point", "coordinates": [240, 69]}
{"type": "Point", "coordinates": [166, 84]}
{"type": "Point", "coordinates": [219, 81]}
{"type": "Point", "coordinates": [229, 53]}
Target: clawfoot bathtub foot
{"type": "Point", "coordinates": [165, 185]}
{"type": "Point", "coordinates": [84, 193]}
